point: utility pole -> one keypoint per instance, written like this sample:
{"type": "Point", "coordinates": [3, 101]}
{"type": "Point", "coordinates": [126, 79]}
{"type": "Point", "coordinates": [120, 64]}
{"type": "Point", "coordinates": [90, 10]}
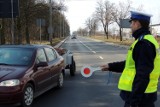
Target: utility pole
{"type": "Point", "coordinates": [40, 35]}
{"type": "Point", "coordinates": [60, 25]}
{"type": "Point", "coordinates": [50, 22]}
{"type": "Point", "coordinates": [12, 25]}
{"type": "Point", "coordinates": [61, 22]}
{"type": "Point", "coordinates": [63, 25]}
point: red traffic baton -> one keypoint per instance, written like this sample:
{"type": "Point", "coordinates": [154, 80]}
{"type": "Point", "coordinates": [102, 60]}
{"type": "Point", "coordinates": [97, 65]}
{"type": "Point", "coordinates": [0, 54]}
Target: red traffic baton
{"type": "Point", "coordinates": [87, 71]}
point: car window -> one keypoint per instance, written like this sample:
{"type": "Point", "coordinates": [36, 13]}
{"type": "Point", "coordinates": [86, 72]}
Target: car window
{"type": "Point", "coordinates": [15, 56]}
{"type": "Point", "coordinates": [41, 57]}
{"type": "Point", "coordinates": [51, 55]}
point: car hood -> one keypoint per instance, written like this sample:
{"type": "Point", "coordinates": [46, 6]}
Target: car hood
{"type": "Point", "coordinates": [10, 72]}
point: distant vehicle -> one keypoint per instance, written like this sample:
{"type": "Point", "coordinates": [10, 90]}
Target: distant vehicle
{"type": "Point", "coordinates": [27, 71]}
{"type": "Point", "coordinates": [68, 59]}
{"type": "Point", "coordinates": [73, 36]}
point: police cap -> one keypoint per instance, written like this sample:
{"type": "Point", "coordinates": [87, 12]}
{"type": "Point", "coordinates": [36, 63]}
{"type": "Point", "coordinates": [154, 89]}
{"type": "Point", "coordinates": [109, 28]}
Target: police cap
{"type": "Point", "coordinates": [140, 16]}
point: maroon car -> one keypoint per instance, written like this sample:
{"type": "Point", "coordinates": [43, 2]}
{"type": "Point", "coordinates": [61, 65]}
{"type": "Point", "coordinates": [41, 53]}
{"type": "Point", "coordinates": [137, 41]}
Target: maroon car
{"type": "Point", "coordinates": [27, 71]}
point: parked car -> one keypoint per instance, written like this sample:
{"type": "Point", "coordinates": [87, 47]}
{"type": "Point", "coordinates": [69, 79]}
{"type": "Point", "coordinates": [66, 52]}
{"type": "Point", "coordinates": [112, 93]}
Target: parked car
{"type": "Point", "coordinates": [27, 71]}
{"type": "Point", "coordinates": [68, 59]}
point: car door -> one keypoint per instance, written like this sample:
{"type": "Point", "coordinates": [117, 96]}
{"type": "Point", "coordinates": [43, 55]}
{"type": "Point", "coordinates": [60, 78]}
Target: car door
{"type": "Point", "coordinates": [54, 63]}
{"type": "Point", "coordinates": [42, 74]}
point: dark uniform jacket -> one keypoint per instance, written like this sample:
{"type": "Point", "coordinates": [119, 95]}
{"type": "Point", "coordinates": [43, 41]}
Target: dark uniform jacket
{"type": "Point", "coordinates": [143, 54]}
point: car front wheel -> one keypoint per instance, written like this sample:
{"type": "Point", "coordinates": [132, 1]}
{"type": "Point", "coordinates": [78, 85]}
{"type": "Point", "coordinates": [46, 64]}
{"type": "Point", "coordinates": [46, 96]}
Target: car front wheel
{"type": "Point", "coordinates": [28, 95]}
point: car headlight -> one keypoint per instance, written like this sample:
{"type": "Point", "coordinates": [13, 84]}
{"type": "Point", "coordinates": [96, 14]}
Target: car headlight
{"type": "Point", "coordinates": [9, 83]}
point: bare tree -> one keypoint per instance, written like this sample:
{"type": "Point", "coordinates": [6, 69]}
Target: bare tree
{"type": "Point", "coordinates": [121, 11]}
{"type": "Point", "coordinates": [60, 21]}
{"type": "Point", "coordinates": [82, 32]}
{"type": "Point", "coordinates": [27, 14]}
{"type": "Point", "coordinates": [104, 14]}
{"type": "Point", "coordinates": [140, 7]}
{"type": "Point", "coordinates": [2, 37]}
{"type": "Point", "coordinates": [91, 24]}
{"type": "Point", "coordinates": [41, 1]}
{"type": "Point", "coordinates": [25, 28]}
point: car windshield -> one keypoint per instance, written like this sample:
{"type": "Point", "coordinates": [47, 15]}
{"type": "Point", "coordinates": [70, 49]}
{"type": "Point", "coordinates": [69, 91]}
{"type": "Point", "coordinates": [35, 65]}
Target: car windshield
{"type": "Point", "coordinates": [15, 56]}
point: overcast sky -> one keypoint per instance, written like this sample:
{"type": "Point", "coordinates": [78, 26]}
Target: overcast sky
{"type": "Point", "coordinates": [79, 10]}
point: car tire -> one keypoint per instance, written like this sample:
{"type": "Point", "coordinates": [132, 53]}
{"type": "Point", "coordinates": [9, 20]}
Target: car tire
{"type": "Point", "coordinates": [72, 68]}
{"type": "Point", "coordinates": [28, 96]}
{"type": "Point", "coordinates": [60, 80]}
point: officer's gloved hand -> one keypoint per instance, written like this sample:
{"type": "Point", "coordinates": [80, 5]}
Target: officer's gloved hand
{"type": "Point", "coordinates": [104, 67]}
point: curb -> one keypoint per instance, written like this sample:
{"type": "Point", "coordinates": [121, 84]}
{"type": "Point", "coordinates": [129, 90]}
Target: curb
{"type": "Point", "coordinates": [60, 43]}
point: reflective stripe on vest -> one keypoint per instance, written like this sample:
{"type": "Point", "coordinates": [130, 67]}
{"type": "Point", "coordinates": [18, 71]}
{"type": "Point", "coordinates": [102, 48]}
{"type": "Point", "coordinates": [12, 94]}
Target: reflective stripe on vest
{"type": "Point", "coordinates": [128, 74]}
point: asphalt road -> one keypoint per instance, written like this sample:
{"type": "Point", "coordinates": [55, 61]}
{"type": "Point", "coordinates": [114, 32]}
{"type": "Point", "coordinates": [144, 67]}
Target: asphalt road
{"type": "Point", "coordinates": [88, 92]}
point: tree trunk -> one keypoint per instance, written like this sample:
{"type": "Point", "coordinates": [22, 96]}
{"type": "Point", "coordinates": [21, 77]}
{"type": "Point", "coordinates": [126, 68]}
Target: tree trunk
{"type": "Point", "coordinates": [3, 41]}
{"type": "Point", "coordinates": [19, 31]}
{"type": "Point", "coordinates": [27, 35]}
{"type": "Point", "coordinates": [27, 23]}
{"type": "Point", "coordinates": [120, 33]}
{"type": "Point", "coordinates": [106, 31]}
{"type": "Point", "coordinates": [27, 30]}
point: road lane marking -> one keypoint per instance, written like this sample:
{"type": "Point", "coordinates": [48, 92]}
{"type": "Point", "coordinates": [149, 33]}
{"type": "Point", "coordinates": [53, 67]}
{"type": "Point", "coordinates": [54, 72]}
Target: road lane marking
{"type": "Point", "coordinates": [87, 47]}
{"type": "Point", "coordinates": [93, 51]}
{"type": "Point", "coordinates": [100, 57]}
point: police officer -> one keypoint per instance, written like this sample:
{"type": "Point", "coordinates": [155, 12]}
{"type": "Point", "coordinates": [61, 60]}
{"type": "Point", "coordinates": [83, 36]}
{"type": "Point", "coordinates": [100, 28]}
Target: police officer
{"type": "Point", "coordinates": [141, 69]}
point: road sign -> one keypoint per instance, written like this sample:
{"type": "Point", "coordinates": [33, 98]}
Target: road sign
{"type": "Point", "coordinates": [9, 8]}
{"type": "Point", "coordinates": [124, 23]}
{"type": "Point", "coordinates": [40, 22]}
{"type": "Point", "coordinates": [50, 30]}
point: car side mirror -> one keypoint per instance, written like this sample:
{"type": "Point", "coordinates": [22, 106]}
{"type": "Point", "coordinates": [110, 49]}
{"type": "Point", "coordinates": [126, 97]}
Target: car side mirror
{"type": "Point", "coordinates": [42, 64]}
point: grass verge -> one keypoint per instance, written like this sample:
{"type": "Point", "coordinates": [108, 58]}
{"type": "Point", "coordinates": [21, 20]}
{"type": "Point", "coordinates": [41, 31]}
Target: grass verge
{"type": "Point", "coordinates": [113, 40]}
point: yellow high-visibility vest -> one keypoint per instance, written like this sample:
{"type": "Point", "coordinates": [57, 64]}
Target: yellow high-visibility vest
{"type": "Point", "coordinates": [128, 74]}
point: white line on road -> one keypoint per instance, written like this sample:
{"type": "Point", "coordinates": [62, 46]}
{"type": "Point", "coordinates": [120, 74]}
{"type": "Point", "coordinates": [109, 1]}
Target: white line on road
{"type": "Point", "coordinates": [87, 47]}
{"type": "Point", "coordinates": [93, 51]}
{"type": "Point", "coordinates": [100, 57]}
